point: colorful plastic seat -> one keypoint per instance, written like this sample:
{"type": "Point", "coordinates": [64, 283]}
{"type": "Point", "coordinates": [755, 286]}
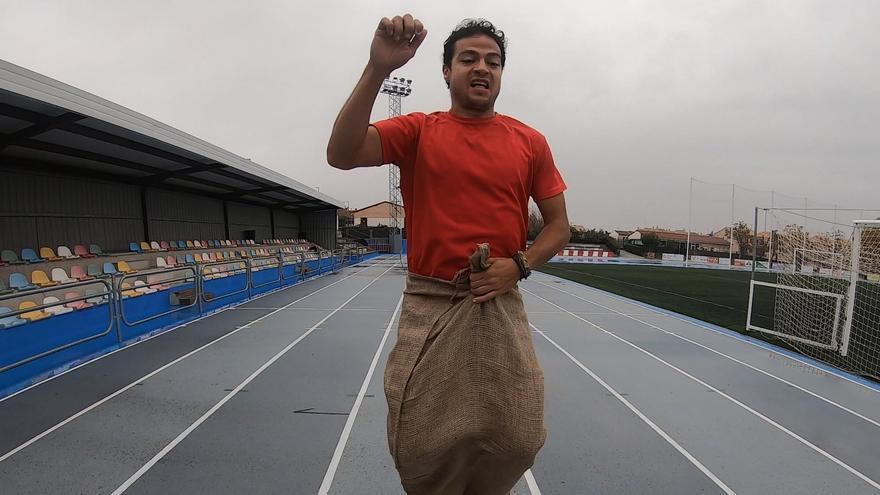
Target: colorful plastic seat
{"type": "Point", "coordinates": [96, 250]}
{"type": "Point", "coordinates": [127, 291]}
{"type": "Point", "coordinates": [141, 286]}
{"type": "Point", "coordinates": [76, 305]}
{"type": "Point", "coordinates": [124, 267]}
{"type": "Point", "coordinates": [60, 276]}
{"type": "Point", "coordinates": [96, 296]}
{"type": "Point", "coordinates": [174, 245]}
{"type": "Point", "coordinates": [165, 245]}
{"type": "Point", "coordinates": [19, 281]}
{"type": "Point", "coordinates": [134, 248]}
{"type": "Point", "coordinates": [30, 256]}
{"type": "Point", "coordinates": [39, 277]}
{"type": "Point", "coordinates": [145, 247]}
{"type": "Point", "coordinates": [153, 279]}
{"type": "Point", "coordinates": [161, 263]}
{"type": "Point", "coordinates": [56, 310]}
{"type": "Point", "coordinates": [9, 321]}
{"type": "Point", "coordinates": [94, 270]}
{"type": "Point", "coordinates": [190, 245]}
{"type": "Point", "coordinates": [109, 269]}
{"type": "Point", "coordinates": [65, 253]}
{"type": "Point", "coordinates": [32, 315]}
{"type": "Point", "coordinates": [190, 259]}
{"type": "Point", "coordinates": [3, 289]}
{"type": "Point", "coordinates": [48, 254]}
{"type": "Point", "coordinates": [155, 246]}
{"type": "Point", "coordinates": [171, 261]}
{"type": "Point", "coordinates": [82, 251]}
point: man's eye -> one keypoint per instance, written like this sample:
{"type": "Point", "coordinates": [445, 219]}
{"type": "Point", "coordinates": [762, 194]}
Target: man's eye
{"type": "Point", "coordinates": [494, 65]}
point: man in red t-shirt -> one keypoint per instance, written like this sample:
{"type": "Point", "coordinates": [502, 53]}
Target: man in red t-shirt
{"type": "Point", "coordinates": [466, 179]}
{"type": "Point", "coordinates": [466, 174]}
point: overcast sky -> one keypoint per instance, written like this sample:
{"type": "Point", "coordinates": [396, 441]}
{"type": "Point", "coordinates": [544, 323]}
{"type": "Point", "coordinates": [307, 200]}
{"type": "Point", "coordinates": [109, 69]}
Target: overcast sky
{"type": "Point", "coordinates": [635, 97]}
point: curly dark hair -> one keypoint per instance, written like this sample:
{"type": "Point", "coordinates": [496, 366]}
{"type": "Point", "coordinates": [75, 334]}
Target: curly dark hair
{"type": "Point", "coordinates": [471, 27]}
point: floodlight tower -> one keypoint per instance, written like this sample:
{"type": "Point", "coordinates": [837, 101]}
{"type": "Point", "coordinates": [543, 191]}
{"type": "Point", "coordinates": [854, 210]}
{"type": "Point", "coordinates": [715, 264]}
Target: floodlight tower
{"type": "Point", "coordinates": [396, 88]}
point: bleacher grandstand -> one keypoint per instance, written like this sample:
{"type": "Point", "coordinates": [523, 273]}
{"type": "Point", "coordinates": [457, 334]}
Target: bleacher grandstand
{"type": "Point", "coordinates": [114, 226]}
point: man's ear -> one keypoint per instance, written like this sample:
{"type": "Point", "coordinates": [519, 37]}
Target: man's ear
{"type": "Point", "coordinates": [446, 71]}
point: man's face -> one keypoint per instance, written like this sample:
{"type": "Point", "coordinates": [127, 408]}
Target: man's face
{"type": "Point", "coordinates": [475, 75]}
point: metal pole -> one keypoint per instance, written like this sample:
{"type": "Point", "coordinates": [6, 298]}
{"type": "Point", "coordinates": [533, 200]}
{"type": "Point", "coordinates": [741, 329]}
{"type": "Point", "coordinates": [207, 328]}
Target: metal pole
{"type": "Point", "coordinates": [755, 245]}
{"type": "Point", "coordinates": [732, 220]}
{"type": "Point", "coordinates": [687, 249]}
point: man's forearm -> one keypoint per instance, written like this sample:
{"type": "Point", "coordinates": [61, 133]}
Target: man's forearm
{"type": "Point", "coordinates": [353, 120]}
{"type": "Point", "coordinates": [550, 240]}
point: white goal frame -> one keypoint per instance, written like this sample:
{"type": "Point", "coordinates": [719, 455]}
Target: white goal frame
{"type": "Point", "coordinates": [838, 302]}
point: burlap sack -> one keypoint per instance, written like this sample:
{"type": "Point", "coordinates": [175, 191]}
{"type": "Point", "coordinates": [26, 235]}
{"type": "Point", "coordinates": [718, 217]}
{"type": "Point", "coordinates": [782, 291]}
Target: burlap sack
{"type": "Point", "coordinates": [464, 389]}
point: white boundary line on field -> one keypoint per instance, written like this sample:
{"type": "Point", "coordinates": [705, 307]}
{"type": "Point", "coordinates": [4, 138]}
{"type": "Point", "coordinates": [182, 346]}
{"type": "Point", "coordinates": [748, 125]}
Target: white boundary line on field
{"type": "Point", "coordinates": [155, 372]}
{"type": "Point", "coordinates": [185, 433]}
{"type": "Point", "coordinates": [759, 370]}
{"type": "Point", "coordinates": [766, 419]}
{"type": "Point", "coordinates": [693, 460]}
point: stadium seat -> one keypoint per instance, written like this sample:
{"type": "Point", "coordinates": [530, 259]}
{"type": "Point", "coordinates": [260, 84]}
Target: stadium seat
{"type": "Point", "coordinates": [198, 257]}
{"type": "Point", "coordinates": [39, 277]}
{"type": "Point", "coordinates": [212, 257]}
{"type": "Point", "coordinates": [78, 272]}
{"type": "Point", "coordinates": [109, 269]}
{"type": "Point", "coordinates": [173, 245]}
{"type": "Point", "coordinates": [32, 315]}
{"type": "Point", "coordinates": [190, 245]}
{"type": "Point", "coordinates": [65, 253]}
{"type": "Point", "coordinates": [165, 245]}
{"type": "Point", "coordinates": [141, 286]}
{"type": "Point", "coordinates": [152, 279]}
{"type": "Point", "coordinates": [48, 254]}
{"type": "Point", "coordinates": [128, 291]}
{"type": "Point", "coordinates": [145, 247]}
{"type": "Point", "coordinates": [94, 270]}
{"type": "Point", "coordinates": [96, 296]}
{"type": "Point", "coordinates": [96, 250]}
{"type": "Point", "coordinates": [82, 252]}
{"type": "Point", "coordinates": [55, 310]}
{"type": "Point", "coordinates": [134, 248]}
{"type": "Point", "coordinates": [60, 276]}
{"type": "Point", "coordinates": [181, 259]}
{"type": "Point", "coordinates": [161, 263]}
{"type": "Point", "coordinates": [3, 289]}
{"type": "Point", "coordinates": [124, 267]}
{"type": "Point", "coordinates": [19, 281]}
{"type": "Point", "coordinates": [197, 244]}
{"type": "Point", "coordinates": [155, 246]}
{"type": "Point", "coordinates": [76, 305]}
{"type": "Point", "coordinates": [30, 256]}
{"type": "Point", "coordinates": [170, 261]}
{"type": "Point", "coordinates": [9, 321]}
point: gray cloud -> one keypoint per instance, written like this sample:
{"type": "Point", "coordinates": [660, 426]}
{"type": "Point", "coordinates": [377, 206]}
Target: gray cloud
{"type": "Point", "coordinates": [634, 97]}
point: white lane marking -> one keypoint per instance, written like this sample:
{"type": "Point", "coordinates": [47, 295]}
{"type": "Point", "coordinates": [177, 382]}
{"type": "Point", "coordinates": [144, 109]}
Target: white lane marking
{"type": "Point", "coordinates": [530, 481]}
{"type": "Point", "coordinates": [759, 370]}
{"type": "Point", "coordinates": [725, 395]}
{"type": "Point", "coordinates": [151, 337]}
{"type": "Point", "coordinates": [185, 433]}
{"type": "Point", "coordinates": [155, 372]}
{"type": "Point", "coordinates": [641, 416]}
{"type": "Point", "coordinates": [349, 424]}
{"type": "Point", "coordinates": [739, 339]}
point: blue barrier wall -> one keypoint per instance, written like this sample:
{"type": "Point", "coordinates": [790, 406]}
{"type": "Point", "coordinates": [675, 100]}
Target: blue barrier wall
{"type": "Point", "coordinates": [121, 321]}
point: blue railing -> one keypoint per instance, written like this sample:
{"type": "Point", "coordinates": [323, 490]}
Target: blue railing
{"type": "Point", "coordinates": [120, 313]}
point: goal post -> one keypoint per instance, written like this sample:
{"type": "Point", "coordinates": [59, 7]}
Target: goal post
{"type": "Point", "coordinates": [811, 319]}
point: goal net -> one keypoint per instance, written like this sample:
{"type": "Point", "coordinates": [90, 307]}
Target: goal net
{"type": "Point", "coordinates": [825, 300]}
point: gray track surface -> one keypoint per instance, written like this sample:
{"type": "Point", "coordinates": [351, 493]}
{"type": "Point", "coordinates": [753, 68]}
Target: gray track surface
{"type": "Point", "coordinates": [636, 402]}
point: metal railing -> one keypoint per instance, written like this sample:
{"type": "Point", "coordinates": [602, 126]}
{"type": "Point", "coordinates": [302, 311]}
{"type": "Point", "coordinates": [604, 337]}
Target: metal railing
{"type": "Point", "coordinates": [202, 279]}
{"type": "Point", "coordinates": [109, 293]}
{"type": "Point", "coordinates": [250, 265]}
{"type": "Point", "coordinates": [194, 279]}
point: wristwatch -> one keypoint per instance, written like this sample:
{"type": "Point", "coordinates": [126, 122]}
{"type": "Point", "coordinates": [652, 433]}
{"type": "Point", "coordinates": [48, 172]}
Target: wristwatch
{"type": "Point", "coordinates": [523, 263]}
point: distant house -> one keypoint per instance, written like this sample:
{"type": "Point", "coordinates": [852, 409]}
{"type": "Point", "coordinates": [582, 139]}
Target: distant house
{"type": "Point", "coordinates": [377, 215]}
{"type": "Point", "coordinates": [700, 242]}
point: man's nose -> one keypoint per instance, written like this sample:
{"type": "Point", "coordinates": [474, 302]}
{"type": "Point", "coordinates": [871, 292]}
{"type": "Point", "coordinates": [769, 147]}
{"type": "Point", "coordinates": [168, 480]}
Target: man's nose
{"type": "Point", "coordinates": [481, 67]}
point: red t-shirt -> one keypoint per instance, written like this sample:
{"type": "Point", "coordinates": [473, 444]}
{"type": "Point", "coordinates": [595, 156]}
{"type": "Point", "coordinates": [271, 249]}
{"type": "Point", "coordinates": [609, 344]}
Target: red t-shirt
{"type": "Point", "coordinates": [466, 181]}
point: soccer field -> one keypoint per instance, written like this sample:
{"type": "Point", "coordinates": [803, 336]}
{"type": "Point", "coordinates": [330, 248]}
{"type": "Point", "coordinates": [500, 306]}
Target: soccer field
{"type": "Point", "coordinates": [715, 296]}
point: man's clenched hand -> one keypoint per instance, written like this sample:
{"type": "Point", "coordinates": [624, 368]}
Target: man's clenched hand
{"type": "Point", "coordinates": [395, 42]}
{"type": "Point", "coordinates": [501, 276]}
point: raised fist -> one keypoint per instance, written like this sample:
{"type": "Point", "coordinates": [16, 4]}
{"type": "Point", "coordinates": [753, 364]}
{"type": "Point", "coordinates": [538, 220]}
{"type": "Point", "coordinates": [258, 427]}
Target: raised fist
{"type": "Point", "coordinates": [395, 42]}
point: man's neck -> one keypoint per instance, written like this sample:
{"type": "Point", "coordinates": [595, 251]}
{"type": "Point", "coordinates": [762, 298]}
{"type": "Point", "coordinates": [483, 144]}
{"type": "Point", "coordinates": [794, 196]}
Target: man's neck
{"type": "Point", "coordinates": [471, 114]}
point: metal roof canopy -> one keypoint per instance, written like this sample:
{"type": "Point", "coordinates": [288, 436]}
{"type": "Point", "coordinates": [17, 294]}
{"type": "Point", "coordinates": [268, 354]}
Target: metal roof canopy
{"type": "Point", "coordinates": [46, 124]}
